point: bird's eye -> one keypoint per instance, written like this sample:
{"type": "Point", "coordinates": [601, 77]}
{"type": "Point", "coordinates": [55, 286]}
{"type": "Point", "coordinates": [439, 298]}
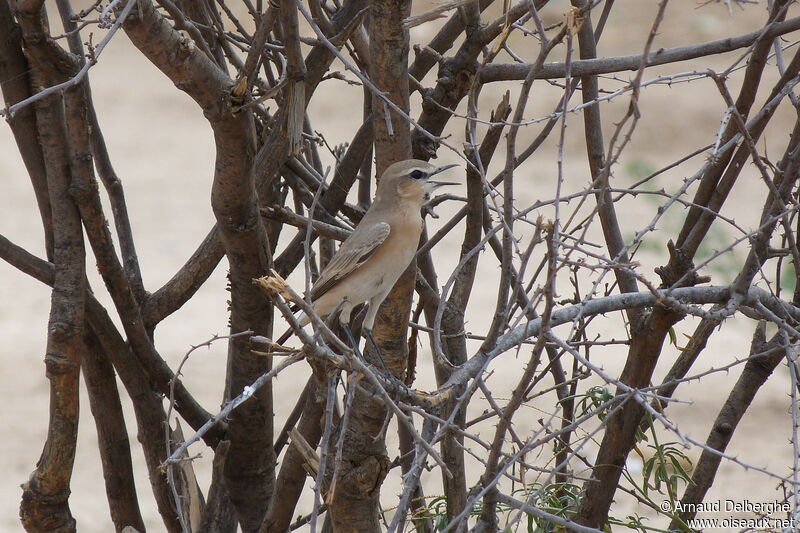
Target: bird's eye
{"type": "Point", "coordinates": [417, 175]}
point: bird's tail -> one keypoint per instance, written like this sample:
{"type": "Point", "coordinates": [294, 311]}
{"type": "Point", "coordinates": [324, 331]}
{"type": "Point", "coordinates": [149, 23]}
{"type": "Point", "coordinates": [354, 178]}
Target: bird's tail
{"type": "Point", "coordinates": [285, 337]}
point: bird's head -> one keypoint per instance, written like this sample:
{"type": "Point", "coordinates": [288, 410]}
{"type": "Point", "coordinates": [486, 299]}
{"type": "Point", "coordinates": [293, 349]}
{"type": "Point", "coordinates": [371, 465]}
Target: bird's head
{"type": "Point", "coordinates": [411, 180]}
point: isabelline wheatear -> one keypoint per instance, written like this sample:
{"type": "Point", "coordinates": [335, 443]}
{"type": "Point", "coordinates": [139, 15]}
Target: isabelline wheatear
{"type": "Point", "coordinates": [370, 261]}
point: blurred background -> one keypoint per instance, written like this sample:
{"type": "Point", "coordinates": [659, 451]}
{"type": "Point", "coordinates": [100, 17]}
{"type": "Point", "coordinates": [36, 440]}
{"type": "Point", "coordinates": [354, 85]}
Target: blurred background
{"type": "Point", "coordinates": [163, 151]}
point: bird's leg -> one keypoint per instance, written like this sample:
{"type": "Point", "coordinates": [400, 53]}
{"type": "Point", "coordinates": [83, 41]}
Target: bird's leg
{"type": "Point", "coordinates": [353, 343]}
{"type": "Point", "coordinates": [371, 338]}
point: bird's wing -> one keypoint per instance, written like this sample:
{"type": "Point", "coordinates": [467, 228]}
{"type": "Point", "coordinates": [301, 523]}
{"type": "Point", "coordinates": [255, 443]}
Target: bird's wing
{"type": "Point", "coordinates": [351, 255]}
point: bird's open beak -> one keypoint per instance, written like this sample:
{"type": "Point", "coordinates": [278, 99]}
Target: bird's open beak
{"type": "Point", "coordinates": [437, 184]}
{"type": "Point", "coordinates": [441, 169]}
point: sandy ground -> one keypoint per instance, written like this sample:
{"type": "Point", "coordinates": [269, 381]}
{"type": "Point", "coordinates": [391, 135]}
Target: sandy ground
{"type": "Point", "coordinates": [163, 151]}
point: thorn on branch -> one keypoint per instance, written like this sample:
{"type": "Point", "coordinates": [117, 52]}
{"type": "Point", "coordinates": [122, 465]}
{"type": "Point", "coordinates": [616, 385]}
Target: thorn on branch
{"type": "Point", "coordinates": [336, 75]}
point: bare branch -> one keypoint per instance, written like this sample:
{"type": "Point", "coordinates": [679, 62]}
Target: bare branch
{"type": "Point", "coordinates": [663, 56]}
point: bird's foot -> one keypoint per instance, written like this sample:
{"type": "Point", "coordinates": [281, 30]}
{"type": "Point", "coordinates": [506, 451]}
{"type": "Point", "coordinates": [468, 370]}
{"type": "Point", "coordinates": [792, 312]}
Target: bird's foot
{"type": "Point", "coordinates": [371, 339]}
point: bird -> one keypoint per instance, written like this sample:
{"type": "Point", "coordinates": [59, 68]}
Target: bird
{"type": "Point", "coordinates": [369, 262]}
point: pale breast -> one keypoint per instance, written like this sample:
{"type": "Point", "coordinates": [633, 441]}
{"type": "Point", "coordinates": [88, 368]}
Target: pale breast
{"type": "Point", "coordinates": [382, 270]}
